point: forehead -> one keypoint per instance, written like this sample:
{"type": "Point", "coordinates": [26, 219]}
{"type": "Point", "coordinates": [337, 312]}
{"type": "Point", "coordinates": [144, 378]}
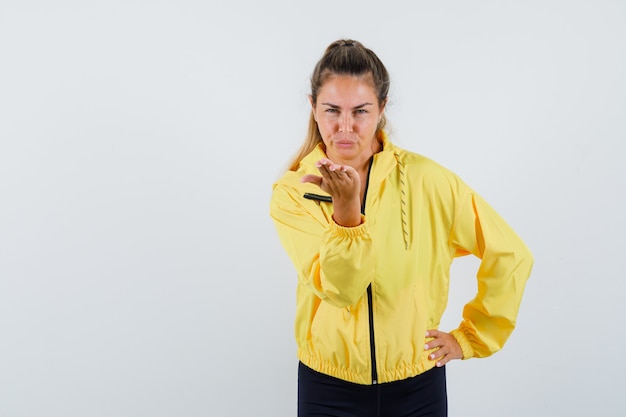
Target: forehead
{"type": "Point", "coordinates": [347, 89]}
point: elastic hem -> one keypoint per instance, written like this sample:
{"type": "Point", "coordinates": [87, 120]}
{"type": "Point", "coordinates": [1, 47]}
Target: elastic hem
{"type": "Point", "coordinates": [318, 365]}
{"type": "Point", "coordinates": [365, 378]}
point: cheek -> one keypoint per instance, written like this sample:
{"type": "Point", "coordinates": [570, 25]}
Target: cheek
{"type": "Point", "coordinates": [327, 127]}
{"type": "Point", "coordinates": [365, 124]}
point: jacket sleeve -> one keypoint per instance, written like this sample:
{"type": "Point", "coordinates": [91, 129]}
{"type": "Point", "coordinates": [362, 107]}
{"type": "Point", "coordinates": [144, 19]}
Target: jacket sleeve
{"type": "Point", "coordinates": [335, 262]}
{"type": "Point", "coordinates": [505, 266]}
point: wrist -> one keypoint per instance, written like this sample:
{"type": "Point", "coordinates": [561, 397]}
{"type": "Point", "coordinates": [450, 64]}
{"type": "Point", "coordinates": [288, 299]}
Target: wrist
{"type": "Point", "coordinates": [347, 214]}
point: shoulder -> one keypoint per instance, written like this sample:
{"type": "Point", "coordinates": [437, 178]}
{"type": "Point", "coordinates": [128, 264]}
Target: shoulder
{"type": "Point", "coordinates": [289, 189]}
{"type": "Point", "coordinates": [425, 169]}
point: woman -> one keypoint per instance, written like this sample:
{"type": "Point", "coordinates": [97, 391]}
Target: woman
{"type": "Point", "coordinates": [372, 230]}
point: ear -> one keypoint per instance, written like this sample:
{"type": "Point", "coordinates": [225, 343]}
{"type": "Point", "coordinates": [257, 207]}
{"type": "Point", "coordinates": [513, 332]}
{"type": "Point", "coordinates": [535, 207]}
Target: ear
{"type": "Point", "coordinates": [312, 107]}
{"type": "Point", "coordinates": [383, 105]}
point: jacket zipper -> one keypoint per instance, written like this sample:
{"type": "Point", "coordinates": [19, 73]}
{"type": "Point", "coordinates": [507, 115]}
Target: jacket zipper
{"type": "Point", "coordinates": [370, 298]}
{"type": "Point", "coordinates": [372, 345]}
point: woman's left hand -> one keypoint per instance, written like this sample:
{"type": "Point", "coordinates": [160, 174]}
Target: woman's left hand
{"type": "Point", "coordinates": [447, 348]}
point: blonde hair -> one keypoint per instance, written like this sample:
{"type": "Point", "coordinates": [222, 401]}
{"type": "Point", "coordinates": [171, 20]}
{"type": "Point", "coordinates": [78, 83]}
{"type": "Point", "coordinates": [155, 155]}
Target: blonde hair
{"type": "Point", "coordinates": [343, 57]}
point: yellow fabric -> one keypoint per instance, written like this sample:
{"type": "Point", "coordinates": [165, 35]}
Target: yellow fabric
{"type": "Point", "coordinates": [408, 267]}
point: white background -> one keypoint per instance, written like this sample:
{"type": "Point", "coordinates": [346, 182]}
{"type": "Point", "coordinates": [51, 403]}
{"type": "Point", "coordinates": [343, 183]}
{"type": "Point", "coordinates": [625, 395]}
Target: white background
{"type": "Point", "coordinates": [140, 273]}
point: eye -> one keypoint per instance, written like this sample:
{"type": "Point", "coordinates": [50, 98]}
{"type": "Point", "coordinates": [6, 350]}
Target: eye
{"type": "Point", "coordinates": [331, 110]}
{"type": "Point", "coordinates": [361, 111]}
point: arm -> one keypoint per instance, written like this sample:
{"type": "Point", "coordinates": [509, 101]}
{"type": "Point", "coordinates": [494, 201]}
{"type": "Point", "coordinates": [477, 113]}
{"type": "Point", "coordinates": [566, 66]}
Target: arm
{"type": "Point", "coordinates": [506, 263]}
{"type": "Point", "coordinates": [335, 262]}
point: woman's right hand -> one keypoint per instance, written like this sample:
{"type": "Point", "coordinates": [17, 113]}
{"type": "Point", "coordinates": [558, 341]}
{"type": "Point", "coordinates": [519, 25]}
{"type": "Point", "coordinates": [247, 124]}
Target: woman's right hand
{"type": "Point", "coordinates": [343, 184]}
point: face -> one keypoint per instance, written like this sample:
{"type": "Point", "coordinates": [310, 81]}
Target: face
{"type": "Point", "coordinates": [347, 114]}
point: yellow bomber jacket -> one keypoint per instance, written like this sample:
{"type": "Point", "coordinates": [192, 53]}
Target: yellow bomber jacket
{"type": "Point", "coordinates": [418, 217]}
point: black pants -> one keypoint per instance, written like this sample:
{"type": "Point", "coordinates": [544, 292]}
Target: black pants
{"type": "Point", "coordinates": [320, 395]}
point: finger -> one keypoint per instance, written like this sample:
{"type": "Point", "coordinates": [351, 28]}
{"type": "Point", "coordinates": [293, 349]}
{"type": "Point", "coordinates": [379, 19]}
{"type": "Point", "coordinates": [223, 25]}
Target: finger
{"type": "Point", "coordinates": [438, 339]}
{"type": "Point", "coordinates": [445, 354]}
{"type": "Point", "coordinates": [442, 361]}
{"type": "Point", "coordinates": [438, 353]}
{"type": "Point", "coordinates": [327, 164]}
{"type": "Point", "coordinates": [432, 333]}
{"type": "Point", "coordinates": [325, 172]}
{"type": "Point", "coordinates": [434, 344]}
{"type": "Point", "coordinates": [324, 161]}
{"type": "Point", "coordinates": [336, 174]}
{"type": "Point", "coordinates": [338, 170]}
{"type": "Point", "coordinates": [441, 357]}
{"type": "Point", "coordinates": [330, 166]}
{"type": "Point", "coordinates": [350, 172]}
{"type": "Point", "coordinates": [313, 179]}
{"type": "Point", "coordinates": [448, 357]}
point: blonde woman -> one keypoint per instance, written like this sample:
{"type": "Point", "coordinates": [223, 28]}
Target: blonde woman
{"type": "Point", "coordinates": [371, 230]}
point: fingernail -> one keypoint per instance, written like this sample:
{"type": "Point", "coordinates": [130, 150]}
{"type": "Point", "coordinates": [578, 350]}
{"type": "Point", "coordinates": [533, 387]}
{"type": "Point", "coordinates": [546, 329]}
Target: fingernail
{"type": "Point", "coordinates": [432, 357]}
{"type": "Point", "coordinates": [426, 334]}
{"type": "Point", "coordinates": [439, 364]}
{"type": "Point", "coordinates": [426, 347]}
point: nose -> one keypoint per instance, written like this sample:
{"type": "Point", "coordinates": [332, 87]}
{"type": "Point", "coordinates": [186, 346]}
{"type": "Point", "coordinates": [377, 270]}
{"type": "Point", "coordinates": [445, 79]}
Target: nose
{"type": "Point", "coordinates": [345, 123]}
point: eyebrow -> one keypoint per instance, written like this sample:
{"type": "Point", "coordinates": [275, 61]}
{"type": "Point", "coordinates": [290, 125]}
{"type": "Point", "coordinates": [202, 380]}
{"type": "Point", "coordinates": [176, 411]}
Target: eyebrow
{"type": "Point", "coordinates": [334, 106]}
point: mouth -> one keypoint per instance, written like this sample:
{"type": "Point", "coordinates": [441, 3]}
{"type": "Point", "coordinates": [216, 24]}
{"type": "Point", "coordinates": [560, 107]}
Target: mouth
{"type": "Point", "coordinates": [345, 139]}
{"type": "Point", "coordinates": [344, 143]}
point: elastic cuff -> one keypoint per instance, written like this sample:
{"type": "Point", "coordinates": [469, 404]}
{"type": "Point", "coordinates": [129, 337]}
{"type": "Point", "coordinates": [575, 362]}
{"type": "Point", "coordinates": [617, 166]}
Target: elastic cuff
{"type": "Point", "coordinates": [466, 347]}
{"type": "Point", "coordinates": [349, 232]}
